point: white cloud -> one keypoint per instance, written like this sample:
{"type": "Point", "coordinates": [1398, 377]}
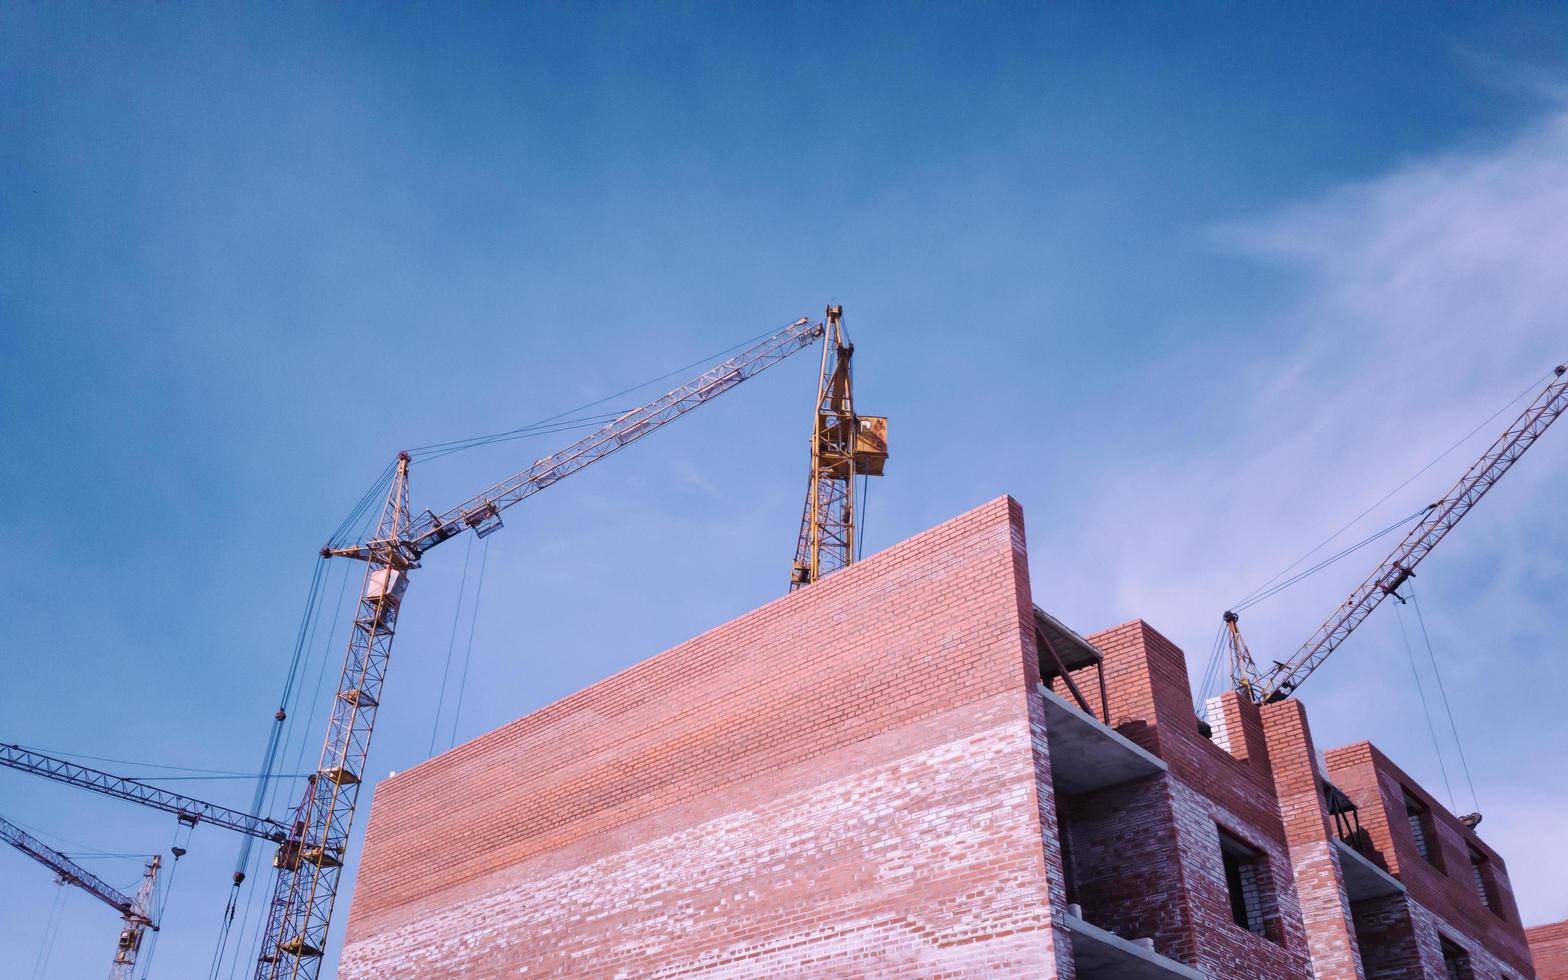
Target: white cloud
{"type": "Point", "coordinates": [1427, 297]}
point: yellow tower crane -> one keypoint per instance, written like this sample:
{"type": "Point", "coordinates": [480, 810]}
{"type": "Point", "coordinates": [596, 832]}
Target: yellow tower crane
{"type": "Point", "coordinates": [843, 446]}
{"type": "Point", "coordinates": [309, 863]}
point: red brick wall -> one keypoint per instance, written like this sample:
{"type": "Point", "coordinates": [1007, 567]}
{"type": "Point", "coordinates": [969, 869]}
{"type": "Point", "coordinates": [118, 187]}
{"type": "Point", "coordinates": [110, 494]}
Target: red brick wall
{"type": "Point", "coordinates": [1387, 940]}
{"type": "Point", "coordinates": [840, 783]}
{"type": "Point", "coordinates": [1441, 899]}
{"type": "Point", "coordinates": [1126, 874]}
{"type": "Point", "coordinates": [1549, 947]}
{"type": "Point", "coordinates": [1205, 789]}
{"type": "Point", "coordinates": [1309, 836]}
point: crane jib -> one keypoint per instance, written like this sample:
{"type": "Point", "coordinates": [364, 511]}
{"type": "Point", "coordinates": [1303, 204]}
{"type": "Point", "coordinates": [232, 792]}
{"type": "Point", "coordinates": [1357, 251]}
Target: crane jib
{"type": "Point", "coordinates": [187, 809]}
{"type": "Point", "coordinates": [1440, 518]}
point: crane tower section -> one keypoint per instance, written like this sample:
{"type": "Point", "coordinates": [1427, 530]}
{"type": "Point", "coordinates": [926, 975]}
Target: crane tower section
{"type": "Point", "coordinates": [844, 445]}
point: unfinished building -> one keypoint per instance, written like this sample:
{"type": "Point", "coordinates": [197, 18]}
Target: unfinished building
{"type": "Point", "coordinates": [908, 769]}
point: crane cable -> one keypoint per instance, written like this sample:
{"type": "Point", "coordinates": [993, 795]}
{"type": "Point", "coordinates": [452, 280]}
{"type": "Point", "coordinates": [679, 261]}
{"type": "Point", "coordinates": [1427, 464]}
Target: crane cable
{"type": "Point", "coordinates": [268, 777]}
{"type": "Point", "coordinates": [1220, 653]}
{"type": "Point", "coordinates": [1210, 679]}
{"type": "Point", "coordinates": [1268, 589]}
{"type": "Point", "coordinates": [161, 895]}
{"type": "Point", "coordinates": [249, 863]}
{"type": "Point", "coordinates": [473, 622]}
{"type": "Point", "coordinates": [569, 418]}
{"type": "Point", "coordinates": [451, 642]}
{"type": "Point", "coordinates": [1443, 692]}
{"type": "Point", "coordinates": [1534, 385]}
{"type": "Point", "coordinates": [51, 931]}
{"type": "Point", "coordinates": [1425, 707]}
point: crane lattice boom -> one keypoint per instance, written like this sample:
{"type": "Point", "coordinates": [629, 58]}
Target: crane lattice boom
{"type": "Point", "coordinates": [310, 863]}
{"type": "Point", "coordinates": [186, 808]}
{"type": "Point", "coordinates": [482, 511]}
{"type": "Point", "coordinates": [1441, 517]}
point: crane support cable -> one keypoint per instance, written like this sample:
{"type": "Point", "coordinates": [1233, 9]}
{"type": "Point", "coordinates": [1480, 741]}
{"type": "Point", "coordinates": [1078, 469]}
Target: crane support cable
{"type": "Point", "coordinates": [188, 809]}
{"type": "Point", "coordinates": [567, 418]}
{"type": "Point", "coordinates": [468, 650]}
{"type": "Point", "coordinates": [1248, 598]}
{"type": "Point", "coordinates": [482, 511]}
{"type": "Point", "coordinates": [1441, 517]}
{"type": "Point", "coordinates": [1258, 597]}
{"type": "Point", "coordinates": [1442, 690]}
{"type": "Point", "coordinates": [1426, 707]}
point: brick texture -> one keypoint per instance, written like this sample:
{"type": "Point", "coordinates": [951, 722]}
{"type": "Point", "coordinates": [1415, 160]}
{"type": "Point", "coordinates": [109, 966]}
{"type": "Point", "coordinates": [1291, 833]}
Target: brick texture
{"type": "Point", "coordinates": [841, 783]}
{"type": "Point", "coordinates": [856, 780]}
{"type": "Point", "coordinates": [1208, 790]}
{"type": "Point", "coordinates": [1315, 862]}
{"type": "Point", "coordinates": [1549, 947]}
{"type": "Point", "coordinates": [1441, 899]}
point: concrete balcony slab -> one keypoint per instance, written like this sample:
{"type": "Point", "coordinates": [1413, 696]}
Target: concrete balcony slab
{"type": "Point", "coordinates": [1363, 879]}
{"type": "Point", "coordinates": [1103, 955]}
{"type": "Point", "coordinates": [1086, 754]}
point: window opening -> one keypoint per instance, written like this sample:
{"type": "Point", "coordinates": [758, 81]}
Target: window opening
{"type": "Point", "coordinates": [1456, 962]}
{"type": "Point", "coordinates": [1248, 881]}
{"type": "Point", "coordinates": [1420, 817]}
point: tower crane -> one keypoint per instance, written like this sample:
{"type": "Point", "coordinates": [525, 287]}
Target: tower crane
{"type": "Point", "coordinates": [310, 863]}
{"type": "Point", "coordinates": [1440, 517]}
{"type": "Point", "coordinates": [136, 913]}
{"type": "Point", "coordinates": [843, 445]}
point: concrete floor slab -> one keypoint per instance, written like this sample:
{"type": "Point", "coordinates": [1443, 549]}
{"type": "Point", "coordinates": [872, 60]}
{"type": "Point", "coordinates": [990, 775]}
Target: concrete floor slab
{"type": "Point", "coordinates": [1103, 955]}
{"type": "Point", "coordinates": [1363, 879]}
{"type": "Point", "coordinates": [1086, 754]}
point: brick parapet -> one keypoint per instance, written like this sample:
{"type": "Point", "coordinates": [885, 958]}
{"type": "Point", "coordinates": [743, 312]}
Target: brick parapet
{"type": "Point", "coordinates": [1245, 727]}
{"type": "Point", "coordinates": [1442, 889]}
{"type": "Point", "coordinates": [1309, 834]}
{"type": "Point", "coordinates": [1173, 824]}
{"type": "Point", "coordinates": [761, 795]}
{"type": "Point", "coordinates": [1549, 949]}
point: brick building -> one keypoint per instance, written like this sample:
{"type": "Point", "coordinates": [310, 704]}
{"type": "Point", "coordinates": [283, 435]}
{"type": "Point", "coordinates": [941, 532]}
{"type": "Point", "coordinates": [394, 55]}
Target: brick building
{"type": "Point", "coordinates": [1549, 947]}
{"type": "Point", "coordinates": [909, 769]}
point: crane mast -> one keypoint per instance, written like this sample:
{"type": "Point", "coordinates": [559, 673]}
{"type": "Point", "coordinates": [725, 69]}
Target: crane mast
{"type": "Point", "coordinates": [309, 864]}
{"type": "Point", "coordinates": [137, 923]}
{"type": "Point", "coordinates": [1282, 680]}
{"type": "Point", "coordinates": [135, 912]}
{"type": "Point", "coordinates": [843, 445]}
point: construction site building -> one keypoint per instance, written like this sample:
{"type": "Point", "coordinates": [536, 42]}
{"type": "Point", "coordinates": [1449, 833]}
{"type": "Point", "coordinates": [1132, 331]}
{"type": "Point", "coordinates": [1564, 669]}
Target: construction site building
{"type": "Point", "coordinates": [1549, 947]}
{"type": "Point", "coordinates": [909, 769]}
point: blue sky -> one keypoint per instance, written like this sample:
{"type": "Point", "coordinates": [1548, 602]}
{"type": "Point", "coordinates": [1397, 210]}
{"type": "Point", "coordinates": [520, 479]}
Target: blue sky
{"type": "Point", "coordinates": [1196, 284]}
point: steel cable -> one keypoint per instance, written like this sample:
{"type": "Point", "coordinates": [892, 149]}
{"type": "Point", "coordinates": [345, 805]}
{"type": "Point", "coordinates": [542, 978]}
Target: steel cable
{"type": "Point", "coordinates": [451, 642]}
{"type": "Point", "coordinates": [473, 622]}
{"type": "Point", "coordinates": [1425, 708]}
{"type": "Point", "coordinates": [1458, 742]}
{"type": "Point", "coordinates": [1412, 478]}
{"type": "Point", "coordinates": [457, 445]}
